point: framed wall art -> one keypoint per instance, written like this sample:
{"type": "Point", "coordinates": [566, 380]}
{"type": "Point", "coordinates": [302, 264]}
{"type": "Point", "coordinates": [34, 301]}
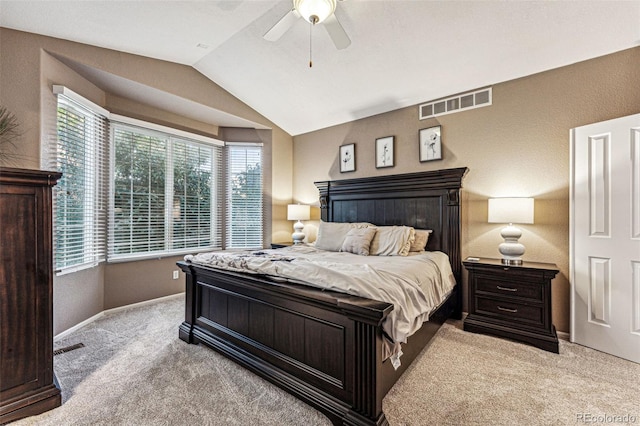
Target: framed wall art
{"type": "Point", "coordinates": [430, 144]}
{"type": "Point", "coordinates": [347, 158]}
{"type": "Point", "coordinates": [384, 152]}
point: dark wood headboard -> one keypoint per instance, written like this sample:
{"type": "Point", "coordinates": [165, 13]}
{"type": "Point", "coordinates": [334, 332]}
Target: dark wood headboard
{"type": "Point", "coordinates": [424, 200]}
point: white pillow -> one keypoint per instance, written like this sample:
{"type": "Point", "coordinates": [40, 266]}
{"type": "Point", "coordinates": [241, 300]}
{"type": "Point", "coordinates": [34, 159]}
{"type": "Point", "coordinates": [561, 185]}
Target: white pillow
{"type": "Point", "coordinates": [421, 239]}
{"type": "Point", "coordinates": [331, 235]}
{"type": "Point", "coordinates": [358, 240]}
{"type": "Point", "coordinates": [391, 241]}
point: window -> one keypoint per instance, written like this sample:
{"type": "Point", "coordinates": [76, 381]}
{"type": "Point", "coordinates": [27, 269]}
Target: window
{"type": "Point", "coordinates": [244, 196]}
{"type": "Point", "coordinates": [195, 213]}
{"type": "Point", "coordinates": [167, 193]}
{"type": "Point", "coordinates": [171, 191]}
{"type": "Point", "coordinates": [79, 152]}
{"type": "Point", "coordinates": [139, 193]}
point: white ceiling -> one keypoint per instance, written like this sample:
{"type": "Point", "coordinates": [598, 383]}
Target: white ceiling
{"type": "Point", "coordinates": [402, 52]}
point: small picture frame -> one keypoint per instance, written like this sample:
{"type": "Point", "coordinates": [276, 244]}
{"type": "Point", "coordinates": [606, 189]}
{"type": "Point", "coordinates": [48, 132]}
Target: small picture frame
{"type": "Point", "coordinates": [430, 144]}
{"type": "Point", "coordinates": [384, 152]}
{"type": "Point", "coordinates": [348, 158]}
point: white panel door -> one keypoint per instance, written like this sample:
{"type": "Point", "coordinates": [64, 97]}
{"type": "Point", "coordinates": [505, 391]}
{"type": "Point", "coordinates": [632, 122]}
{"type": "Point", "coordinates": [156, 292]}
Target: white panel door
{"type": "Point", "coordinates": [605, 236]}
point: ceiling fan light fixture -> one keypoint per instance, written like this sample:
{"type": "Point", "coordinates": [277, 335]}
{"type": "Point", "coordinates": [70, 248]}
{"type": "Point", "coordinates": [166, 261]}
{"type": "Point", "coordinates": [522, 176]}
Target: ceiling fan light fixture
{"type": "Point", "coordinates": [315, 11]}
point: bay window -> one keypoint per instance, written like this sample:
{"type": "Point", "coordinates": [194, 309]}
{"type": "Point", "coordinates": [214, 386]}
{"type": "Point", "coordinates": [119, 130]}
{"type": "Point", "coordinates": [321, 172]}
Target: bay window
{"type": "Point", "coordinates": [166, 191]}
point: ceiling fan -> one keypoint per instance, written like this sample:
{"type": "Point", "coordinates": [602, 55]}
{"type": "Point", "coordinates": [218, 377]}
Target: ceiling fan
{"type": "Point", "coordinates": [314, 12]}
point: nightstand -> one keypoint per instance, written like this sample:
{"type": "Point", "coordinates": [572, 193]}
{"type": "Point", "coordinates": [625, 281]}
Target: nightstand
{"type": "Point", "coordinates": [281, 245]}
{"type": "Point", "coordinates": [512, 301]}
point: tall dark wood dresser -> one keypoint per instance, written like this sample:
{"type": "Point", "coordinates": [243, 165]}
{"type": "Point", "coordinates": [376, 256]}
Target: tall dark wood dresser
{"type": "Point", "coordinates": [27, 382]}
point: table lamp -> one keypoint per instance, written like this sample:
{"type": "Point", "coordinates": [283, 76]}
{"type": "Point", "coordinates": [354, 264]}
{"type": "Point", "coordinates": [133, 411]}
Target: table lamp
{"type": "Point", "coordinates": [511, 210]}
{"type": "Point", "coordinates": [298, 212]}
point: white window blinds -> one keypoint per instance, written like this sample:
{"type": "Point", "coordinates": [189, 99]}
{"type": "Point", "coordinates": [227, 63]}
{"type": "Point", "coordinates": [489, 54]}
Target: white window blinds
{"type": "Point", "coordinates": [139, 200]}
{"type": "Point", "coordinates": [244, 197]}
{"type": "Point", "coordinates": [80, 197]}
{"type": "Point", "coordinates": [196, 216]}
{"type": "Point", "coordinates": [165, 196]}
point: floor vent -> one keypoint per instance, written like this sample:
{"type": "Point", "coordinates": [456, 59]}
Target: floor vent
{"type": "Point", "coordinates": [465, 101]}
{"type": "Point", "coordinates": [68, 349]}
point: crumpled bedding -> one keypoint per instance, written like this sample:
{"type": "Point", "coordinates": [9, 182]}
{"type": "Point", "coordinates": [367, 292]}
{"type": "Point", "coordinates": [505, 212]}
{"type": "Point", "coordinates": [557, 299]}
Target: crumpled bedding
{"type": "Point", "coordinates": [416, 284]}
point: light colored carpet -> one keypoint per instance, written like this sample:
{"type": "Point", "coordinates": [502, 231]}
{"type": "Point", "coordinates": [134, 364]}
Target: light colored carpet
{"type": "Point", "coordinates": [135, 371]}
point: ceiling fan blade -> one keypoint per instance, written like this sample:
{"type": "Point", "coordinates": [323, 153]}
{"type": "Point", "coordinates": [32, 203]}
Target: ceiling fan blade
{"type": "Point", "coordinates": [282, 26]}
{"type": "Point", "coordinates": [336, 32]}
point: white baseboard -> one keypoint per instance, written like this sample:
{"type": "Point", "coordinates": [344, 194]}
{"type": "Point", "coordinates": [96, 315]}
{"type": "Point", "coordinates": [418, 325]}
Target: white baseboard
{"type": "Point", "coordinates": [97, 316]}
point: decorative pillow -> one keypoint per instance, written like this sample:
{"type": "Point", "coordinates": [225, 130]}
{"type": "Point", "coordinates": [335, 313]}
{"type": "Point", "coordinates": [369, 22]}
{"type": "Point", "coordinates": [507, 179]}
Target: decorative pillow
{"type": "Point", "coordinates": [391, 241]}
{"type": "Point", "coordinates": [331, 235]}
{"type": "Point", "coordinates": [407, 245]}
{"type": "Point", "coordinates": [358, 240]}
{"type": "Point", "coordinates": [421, 239]}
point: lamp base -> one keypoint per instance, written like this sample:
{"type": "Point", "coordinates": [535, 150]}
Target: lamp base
{"type": "Point", "coordinates": [298, 235]}
{"type": "Point", "coordinates": [511, 250]}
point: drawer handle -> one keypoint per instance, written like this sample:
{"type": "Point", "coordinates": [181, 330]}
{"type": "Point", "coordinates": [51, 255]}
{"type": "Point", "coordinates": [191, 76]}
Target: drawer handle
{"type": "Point", "coordinates": [506, 288]}
{"type": "Point", "coordinates": [513, 311]}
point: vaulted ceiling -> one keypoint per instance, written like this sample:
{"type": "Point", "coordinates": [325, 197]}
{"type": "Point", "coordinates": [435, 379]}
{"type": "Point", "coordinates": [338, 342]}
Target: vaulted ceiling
{"type": "Point", "coordinates": [401, 53]}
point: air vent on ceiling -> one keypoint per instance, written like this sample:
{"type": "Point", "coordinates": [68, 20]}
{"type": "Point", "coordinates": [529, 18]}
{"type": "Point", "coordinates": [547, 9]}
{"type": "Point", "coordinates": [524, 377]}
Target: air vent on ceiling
{"type": "Point", "coordinates": [462, 102]}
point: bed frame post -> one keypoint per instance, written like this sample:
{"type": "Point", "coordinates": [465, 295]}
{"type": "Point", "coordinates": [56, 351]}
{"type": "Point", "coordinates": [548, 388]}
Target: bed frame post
{"type": "Point", "coordinates": [455, 257]}
{"type": "Point", "coordinates": [368, 390]}
{"type": "Point", "coordinates": [185, 331]}
{"type": "Point", "coordinates": [367, 402]}
{"type": "Point", "coordinates": [323, 190]}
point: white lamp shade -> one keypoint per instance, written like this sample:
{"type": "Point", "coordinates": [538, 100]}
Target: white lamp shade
{"type": "Point", "coordinates": [510, 210]}
{"type": "Point", "coordinates": [321, 9]}
{"type": "Point", "coordinates": [298, 212]}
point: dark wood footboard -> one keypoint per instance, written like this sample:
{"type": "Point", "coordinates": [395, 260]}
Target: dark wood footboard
{"type": "Point", "coordinates": [323, 347]}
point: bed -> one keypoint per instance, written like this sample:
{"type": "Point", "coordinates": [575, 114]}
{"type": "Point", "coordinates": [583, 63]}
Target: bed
{"type": "Point", "coordinates": [326, 347]}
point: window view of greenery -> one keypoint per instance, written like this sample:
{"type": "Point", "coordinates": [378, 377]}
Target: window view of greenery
{"type": "Point", "coordinates": [245, 197]}
{"type": "Point", "coordinates": [74, 193]}
{"type": "Point", "coordinates": [192, 196]}
{"type": "Point", "coordinates": [138, 224]}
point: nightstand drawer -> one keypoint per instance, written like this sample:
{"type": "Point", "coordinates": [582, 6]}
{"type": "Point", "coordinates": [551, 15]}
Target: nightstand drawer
{"type": "Point", "coordinates": [510, 311]}
{"type": "Point", "coordinates": [490, 284]}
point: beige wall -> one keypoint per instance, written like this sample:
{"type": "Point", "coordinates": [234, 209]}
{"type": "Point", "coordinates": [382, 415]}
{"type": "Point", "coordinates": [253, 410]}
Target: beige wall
{"type": "Point", "coordinates": [30, 64]}
{"type": "Point", "coordinates": [131, 282]}
{"type": "Point", "coordinates": [519, 146]}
